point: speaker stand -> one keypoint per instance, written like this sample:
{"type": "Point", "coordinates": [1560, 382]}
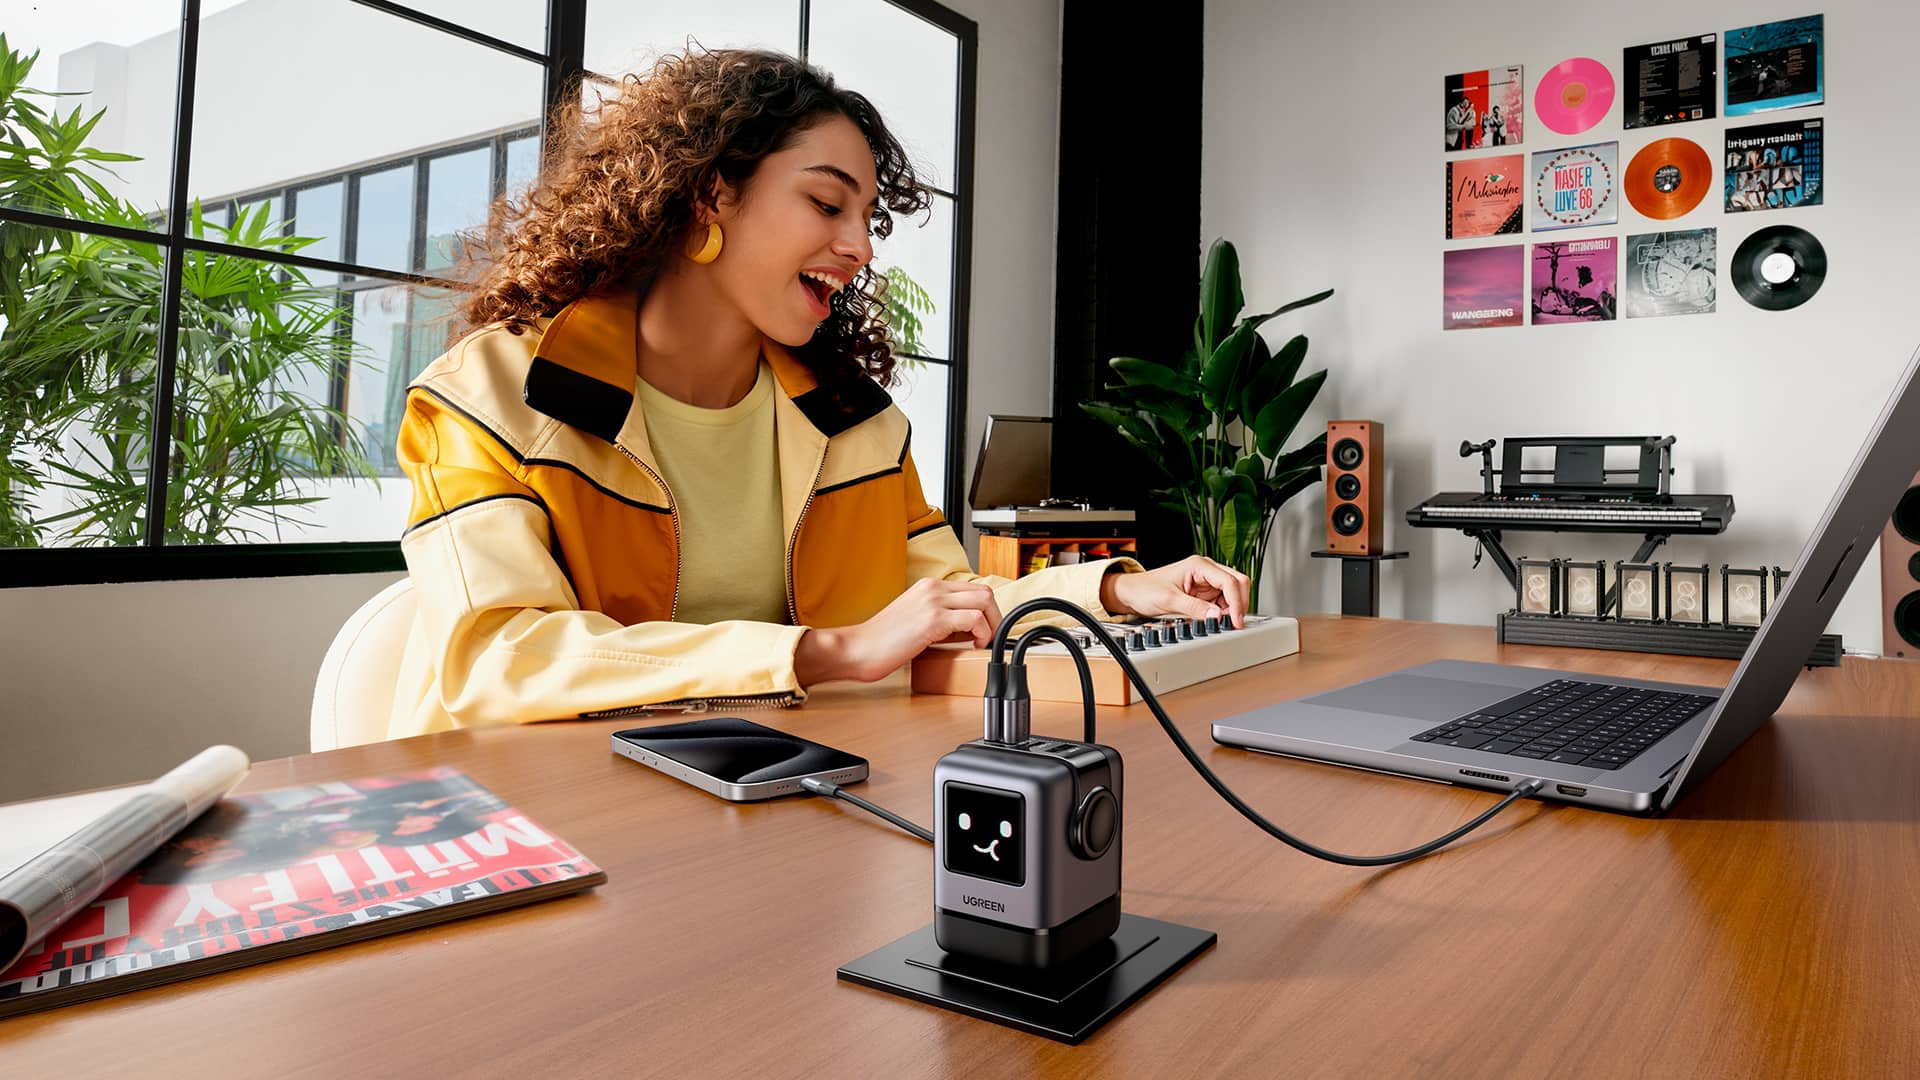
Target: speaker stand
{"type": "Point", "coordinates": [1360, 579]}
{"type": "Point", "coordinates": [1066, 1003]}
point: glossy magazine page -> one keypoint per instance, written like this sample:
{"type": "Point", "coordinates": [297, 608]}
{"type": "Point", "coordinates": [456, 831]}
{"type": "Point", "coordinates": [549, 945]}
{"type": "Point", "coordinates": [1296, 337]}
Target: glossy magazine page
{"type": "Point", "coordinates": [274, 873]}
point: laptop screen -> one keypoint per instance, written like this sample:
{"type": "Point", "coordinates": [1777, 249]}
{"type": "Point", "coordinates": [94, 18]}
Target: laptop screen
{"type": "Point", "coordinates": [1873, 484]}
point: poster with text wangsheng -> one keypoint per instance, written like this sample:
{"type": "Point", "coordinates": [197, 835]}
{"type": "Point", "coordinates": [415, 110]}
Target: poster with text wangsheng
{"type": "Point", "coordinates": [1483, 287]}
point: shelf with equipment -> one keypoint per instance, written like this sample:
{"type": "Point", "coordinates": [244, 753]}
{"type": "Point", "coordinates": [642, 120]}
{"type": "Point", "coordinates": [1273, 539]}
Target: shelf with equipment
{"type": "Point", "coordinates": [1012, 556]}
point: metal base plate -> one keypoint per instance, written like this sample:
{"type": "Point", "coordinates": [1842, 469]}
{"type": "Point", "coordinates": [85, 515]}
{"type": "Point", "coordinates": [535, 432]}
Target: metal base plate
{"type": "Point", "coordinates": [1067, 1004]}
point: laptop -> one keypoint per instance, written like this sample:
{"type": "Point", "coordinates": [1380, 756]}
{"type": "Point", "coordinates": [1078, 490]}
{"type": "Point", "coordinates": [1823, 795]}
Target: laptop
{"type": "Point", "coordinates": [1599, 740]}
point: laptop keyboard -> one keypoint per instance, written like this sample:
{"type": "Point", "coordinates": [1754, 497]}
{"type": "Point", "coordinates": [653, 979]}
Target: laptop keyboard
{"type": "Point", "coordinates": [1598, 725]}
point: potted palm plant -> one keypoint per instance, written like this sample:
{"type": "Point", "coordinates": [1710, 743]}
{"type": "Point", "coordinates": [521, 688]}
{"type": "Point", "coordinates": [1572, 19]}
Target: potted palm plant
{"type": "Point", "coordinates": [1216, 421]}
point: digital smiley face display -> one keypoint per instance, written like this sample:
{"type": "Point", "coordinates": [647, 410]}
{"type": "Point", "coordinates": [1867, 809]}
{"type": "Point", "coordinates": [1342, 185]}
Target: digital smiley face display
{"type": "Point", "coordinates": [984, 827]}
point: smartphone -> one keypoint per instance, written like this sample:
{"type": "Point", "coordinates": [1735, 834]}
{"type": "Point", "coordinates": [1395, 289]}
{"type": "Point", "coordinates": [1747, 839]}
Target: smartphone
{"type": "Point", "coordinates": [737, 759]}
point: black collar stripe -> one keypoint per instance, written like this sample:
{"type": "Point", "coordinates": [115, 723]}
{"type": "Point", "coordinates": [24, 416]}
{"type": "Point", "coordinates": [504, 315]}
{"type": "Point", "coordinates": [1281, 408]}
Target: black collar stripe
{"type": "Point", "coordinates": [834, 407]}
{"type": "Point", "coordinates": [581, 401]}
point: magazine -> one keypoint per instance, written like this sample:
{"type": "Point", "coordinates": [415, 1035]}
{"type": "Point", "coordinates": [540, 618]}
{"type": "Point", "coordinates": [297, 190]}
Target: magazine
{"type": "Point", "coordinates": [262, 875]}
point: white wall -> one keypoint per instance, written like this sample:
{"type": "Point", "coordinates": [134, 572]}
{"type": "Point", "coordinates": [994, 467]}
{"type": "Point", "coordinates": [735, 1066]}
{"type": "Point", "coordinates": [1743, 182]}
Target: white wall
{"type": "Point", "coordinates": [1322, 162]}
{"type": "Point", "coordinates": [109, 683]}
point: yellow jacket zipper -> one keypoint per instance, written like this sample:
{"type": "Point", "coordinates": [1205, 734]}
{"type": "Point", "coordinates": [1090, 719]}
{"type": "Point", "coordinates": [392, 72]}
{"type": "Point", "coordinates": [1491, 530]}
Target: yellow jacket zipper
{"type": "Point", "coordinates": [777, 699]}
{"type": "Point", "coordinates": [673, 515]}
{"type": "Point", "coordinates": [793, 542]}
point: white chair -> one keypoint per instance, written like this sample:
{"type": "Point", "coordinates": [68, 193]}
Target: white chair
{"type": "Point", "coordinates": [354, 694]}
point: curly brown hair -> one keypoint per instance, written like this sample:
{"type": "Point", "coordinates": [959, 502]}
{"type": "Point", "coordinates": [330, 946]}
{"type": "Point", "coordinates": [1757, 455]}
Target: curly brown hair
{"type": "Point", "coordinates": [621, 181]}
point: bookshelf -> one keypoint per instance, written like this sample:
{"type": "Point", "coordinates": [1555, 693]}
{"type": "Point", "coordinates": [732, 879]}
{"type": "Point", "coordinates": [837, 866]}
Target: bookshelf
{"type": "Point", "coordinates": [1014, 556]}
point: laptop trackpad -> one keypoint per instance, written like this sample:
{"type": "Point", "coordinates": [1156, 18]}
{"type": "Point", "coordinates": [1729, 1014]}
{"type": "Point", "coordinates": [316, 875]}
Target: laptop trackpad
{"type": "Point", "coordinates": [1417, 697]}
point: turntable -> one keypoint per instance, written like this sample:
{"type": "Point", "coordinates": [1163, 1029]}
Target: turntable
{"type": "Point", "coordinates": [1010, 481]}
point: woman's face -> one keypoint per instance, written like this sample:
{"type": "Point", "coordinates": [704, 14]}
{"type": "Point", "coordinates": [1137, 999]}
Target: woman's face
{"type": "Point", "coordinates": [800, 233]}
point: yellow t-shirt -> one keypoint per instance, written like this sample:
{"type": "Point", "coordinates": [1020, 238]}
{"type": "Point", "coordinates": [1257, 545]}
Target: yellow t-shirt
{"type": "Point", "coordinates": [723, 468]}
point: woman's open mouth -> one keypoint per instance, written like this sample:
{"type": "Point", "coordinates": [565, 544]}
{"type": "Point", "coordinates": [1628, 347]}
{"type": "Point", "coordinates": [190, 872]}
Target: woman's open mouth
{"type": "Point", "coordinates": [819, 288]}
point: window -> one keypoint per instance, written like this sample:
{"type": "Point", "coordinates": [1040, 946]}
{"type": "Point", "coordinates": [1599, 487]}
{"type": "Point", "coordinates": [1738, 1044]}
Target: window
{"type": "Point", "coordinates": [283, 370]}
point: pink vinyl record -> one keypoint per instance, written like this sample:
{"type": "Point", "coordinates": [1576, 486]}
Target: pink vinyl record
{"type": "Point", "coordinates": [1573, 95]}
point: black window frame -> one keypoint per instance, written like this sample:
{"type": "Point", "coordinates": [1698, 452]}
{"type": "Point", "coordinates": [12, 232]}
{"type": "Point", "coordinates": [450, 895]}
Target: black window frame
{"type": "Point", "coordinates": [564, 69]}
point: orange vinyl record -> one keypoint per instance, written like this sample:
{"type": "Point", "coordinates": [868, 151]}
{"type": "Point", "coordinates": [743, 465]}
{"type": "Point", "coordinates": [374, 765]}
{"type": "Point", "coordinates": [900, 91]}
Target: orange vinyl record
{"type": "Point", "coordinates": [1668, 178]}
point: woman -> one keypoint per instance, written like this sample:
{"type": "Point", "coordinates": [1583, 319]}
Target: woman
{"type": "Point", "coordinates": [662, 471]}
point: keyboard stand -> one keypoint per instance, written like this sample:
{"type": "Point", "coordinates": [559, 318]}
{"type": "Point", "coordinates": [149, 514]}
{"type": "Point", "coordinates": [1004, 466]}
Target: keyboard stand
{"type": "Point", "coordinates": [1489, 539]}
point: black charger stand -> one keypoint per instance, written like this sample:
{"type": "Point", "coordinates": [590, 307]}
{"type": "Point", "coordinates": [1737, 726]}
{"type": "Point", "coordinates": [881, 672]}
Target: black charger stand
{"type": "Point", "coordinates": [1068, 1003]}
{"type": "Point", "coordinates": [1011, 976]}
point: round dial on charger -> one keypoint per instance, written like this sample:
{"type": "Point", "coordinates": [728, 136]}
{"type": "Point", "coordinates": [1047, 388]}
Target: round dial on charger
{"type": "Point", "coordinates": [1096, 821]}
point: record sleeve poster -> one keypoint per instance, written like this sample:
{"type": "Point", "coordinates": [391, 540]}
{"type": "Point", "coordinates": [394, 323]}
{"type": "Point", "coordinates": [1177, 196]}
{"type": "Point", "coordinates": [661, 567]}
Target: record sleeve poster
{"type": "Point", "coordinates": [1574, 281]}
{"type": "Point", "coordinates": [1670, 273]}
{"type": "Point", "coordinates": [1669, 82]}
{"type": "Point", "coordinates": [1777, 65]}
{"type": "Point", "coordinates": [1484, 108]}
{"type": "Point", "coordinates": [1484, 196]}
{"type": "Point", "coordinates": [1774, 166]}
{"type": "Point", "coordinates": [1483, 287]}
{"type": "Point", "coordinates": [1575, 186]}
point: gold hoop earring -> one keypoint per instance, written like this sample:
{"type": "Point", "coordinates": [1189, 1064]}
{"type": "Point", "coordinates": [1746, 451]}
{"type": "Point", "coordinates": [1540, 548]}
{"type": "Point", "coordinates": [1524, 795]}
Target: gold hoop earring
{"type": "Point", "coordinates": [709, 250]}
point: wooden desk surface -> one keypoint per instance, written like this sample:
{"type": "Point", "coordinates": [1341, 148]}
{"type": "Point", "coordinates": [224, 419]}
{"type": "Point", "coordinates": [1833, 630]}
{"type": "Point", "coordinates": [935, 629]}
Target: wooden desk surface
{"type": "Point", "coordinates": [1767, 928]}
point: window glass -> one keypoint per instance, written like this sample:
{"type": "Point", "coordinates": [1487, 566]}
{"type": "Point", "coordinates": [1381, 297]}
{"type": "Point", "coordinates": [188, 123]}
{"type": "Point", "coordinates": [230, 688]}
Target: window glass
{"type": "Point", "coordinates": [383, 231]}
{"type": "Point", "coordinates": [458, 186]}
{"type": "Point", "coordinates": [517, 22]}
{"type": "Point", "coordinates": [918, 260]}
{"type": "Point", "coordinates": [397, 330]}
{"type": "Point", "coordinates": [290, 91]}
{"type": "Point", "coordinates": [629, 37]}
{"type": "Point", "coordinates": [318, 214]}
{"type": "Point", "coordinates": [921, 389]}
{"type": "Point", "coordinates": [273, 222]}
{"type": "Point", "coordinates": [262, 452]}
{"type": "Point", "coordinates": [908, 67]}
{"type": "Point", "coordinates": [77, 339]}
{"type": "Point", "coordinates": [109, 55]}
{"type": "Point", "coordinates": [523, 163]}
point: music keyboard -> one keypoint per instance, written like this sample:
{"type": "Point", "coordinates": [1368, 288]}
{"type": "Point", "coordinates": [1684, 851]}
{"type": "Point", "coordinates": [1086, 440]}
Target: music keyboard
{"type": "Point", "coordinates": [1696, 514]}
{"type": "Point", "coordinates": [1176, 662]}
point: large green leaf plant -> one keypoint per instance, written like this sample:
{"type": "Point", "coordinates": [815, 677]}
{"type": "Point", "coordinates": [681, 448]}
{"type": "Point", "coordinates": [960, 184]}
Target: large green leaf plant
{"type": "Point", "coordinates": [1216, 421]}
{"type": "Point", "coordinates": [80, 318]}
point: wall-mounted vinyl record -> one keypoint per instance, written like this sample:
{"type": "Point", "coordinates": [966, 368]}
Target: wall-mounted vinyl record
{"type": "Point", "coordinates": [1668, 178]}
{"type": "Point", "coordinates": [1779, 267]}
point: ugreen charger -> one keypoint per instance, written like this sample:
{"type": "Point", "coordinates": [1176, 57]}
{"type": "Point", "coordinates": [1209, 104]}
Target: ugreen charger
{"type": "Point", "coordinates": [1026, 849]}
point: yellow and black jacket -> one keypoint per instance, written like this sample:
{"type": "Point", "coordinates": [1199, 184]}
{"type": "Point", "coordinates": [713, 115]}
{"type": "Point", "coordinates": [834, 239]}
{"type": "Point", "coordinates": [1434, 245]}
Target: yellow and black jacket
{"type": "Point", "coordinates": [544, 548]}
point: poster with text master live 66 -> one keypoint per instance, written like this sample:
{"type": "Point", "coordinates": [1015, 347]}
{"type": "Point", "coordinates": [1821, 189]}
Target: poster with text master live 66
{"type": "Point", "coordinates": [1576, 186]}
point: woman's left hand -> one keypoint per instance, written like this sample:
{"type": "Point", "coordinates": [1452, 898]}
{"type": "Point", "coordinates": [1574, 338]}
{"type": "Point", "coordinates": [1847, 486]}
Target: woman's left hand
{"type": "Point", "coordinates": [1193, 588]}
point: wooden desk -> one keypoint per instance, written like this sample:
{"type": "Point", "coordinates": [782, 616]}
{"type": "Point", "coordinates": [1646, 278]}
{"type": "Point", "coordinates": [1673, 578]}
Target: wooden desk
{"type": "Point", "coordinates": [1767, 928]}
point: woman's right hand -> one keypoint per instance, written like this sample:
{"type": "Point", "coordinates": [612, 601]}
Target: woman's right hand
{"type": "Point", "coordinates": [930, 611]}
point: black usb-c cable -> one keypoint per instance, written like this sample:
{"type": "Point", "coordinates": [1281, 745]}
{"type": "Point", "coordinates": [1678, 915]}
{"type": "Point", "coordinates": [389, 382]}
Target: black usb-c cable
{"type": "Point", "coordinates": [835, 791]}
{"type": "Point", "coordinates": [1007, 688]}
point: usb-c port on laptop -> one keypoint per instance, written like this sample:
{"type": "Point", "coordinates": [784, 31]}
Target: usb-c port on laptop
{"type": "Point", "coordinates": [1569, 789]}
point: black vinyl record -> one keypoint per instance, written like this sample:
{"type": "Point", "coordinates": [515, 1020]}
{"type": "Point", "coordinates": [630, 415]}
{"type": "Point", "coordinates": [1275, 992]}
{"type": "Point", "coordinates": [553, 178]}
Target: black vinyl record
{"type": "Point", "coordinates": [1809, 261]}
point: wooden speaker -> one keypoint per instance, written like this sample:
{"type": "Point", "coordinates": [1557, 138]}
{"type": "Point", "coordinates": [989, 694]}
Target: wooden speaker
{"type": "Point", "coordinates": [1355, 478]}
{"type": "Point", "coordinates": [1900, 578]}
